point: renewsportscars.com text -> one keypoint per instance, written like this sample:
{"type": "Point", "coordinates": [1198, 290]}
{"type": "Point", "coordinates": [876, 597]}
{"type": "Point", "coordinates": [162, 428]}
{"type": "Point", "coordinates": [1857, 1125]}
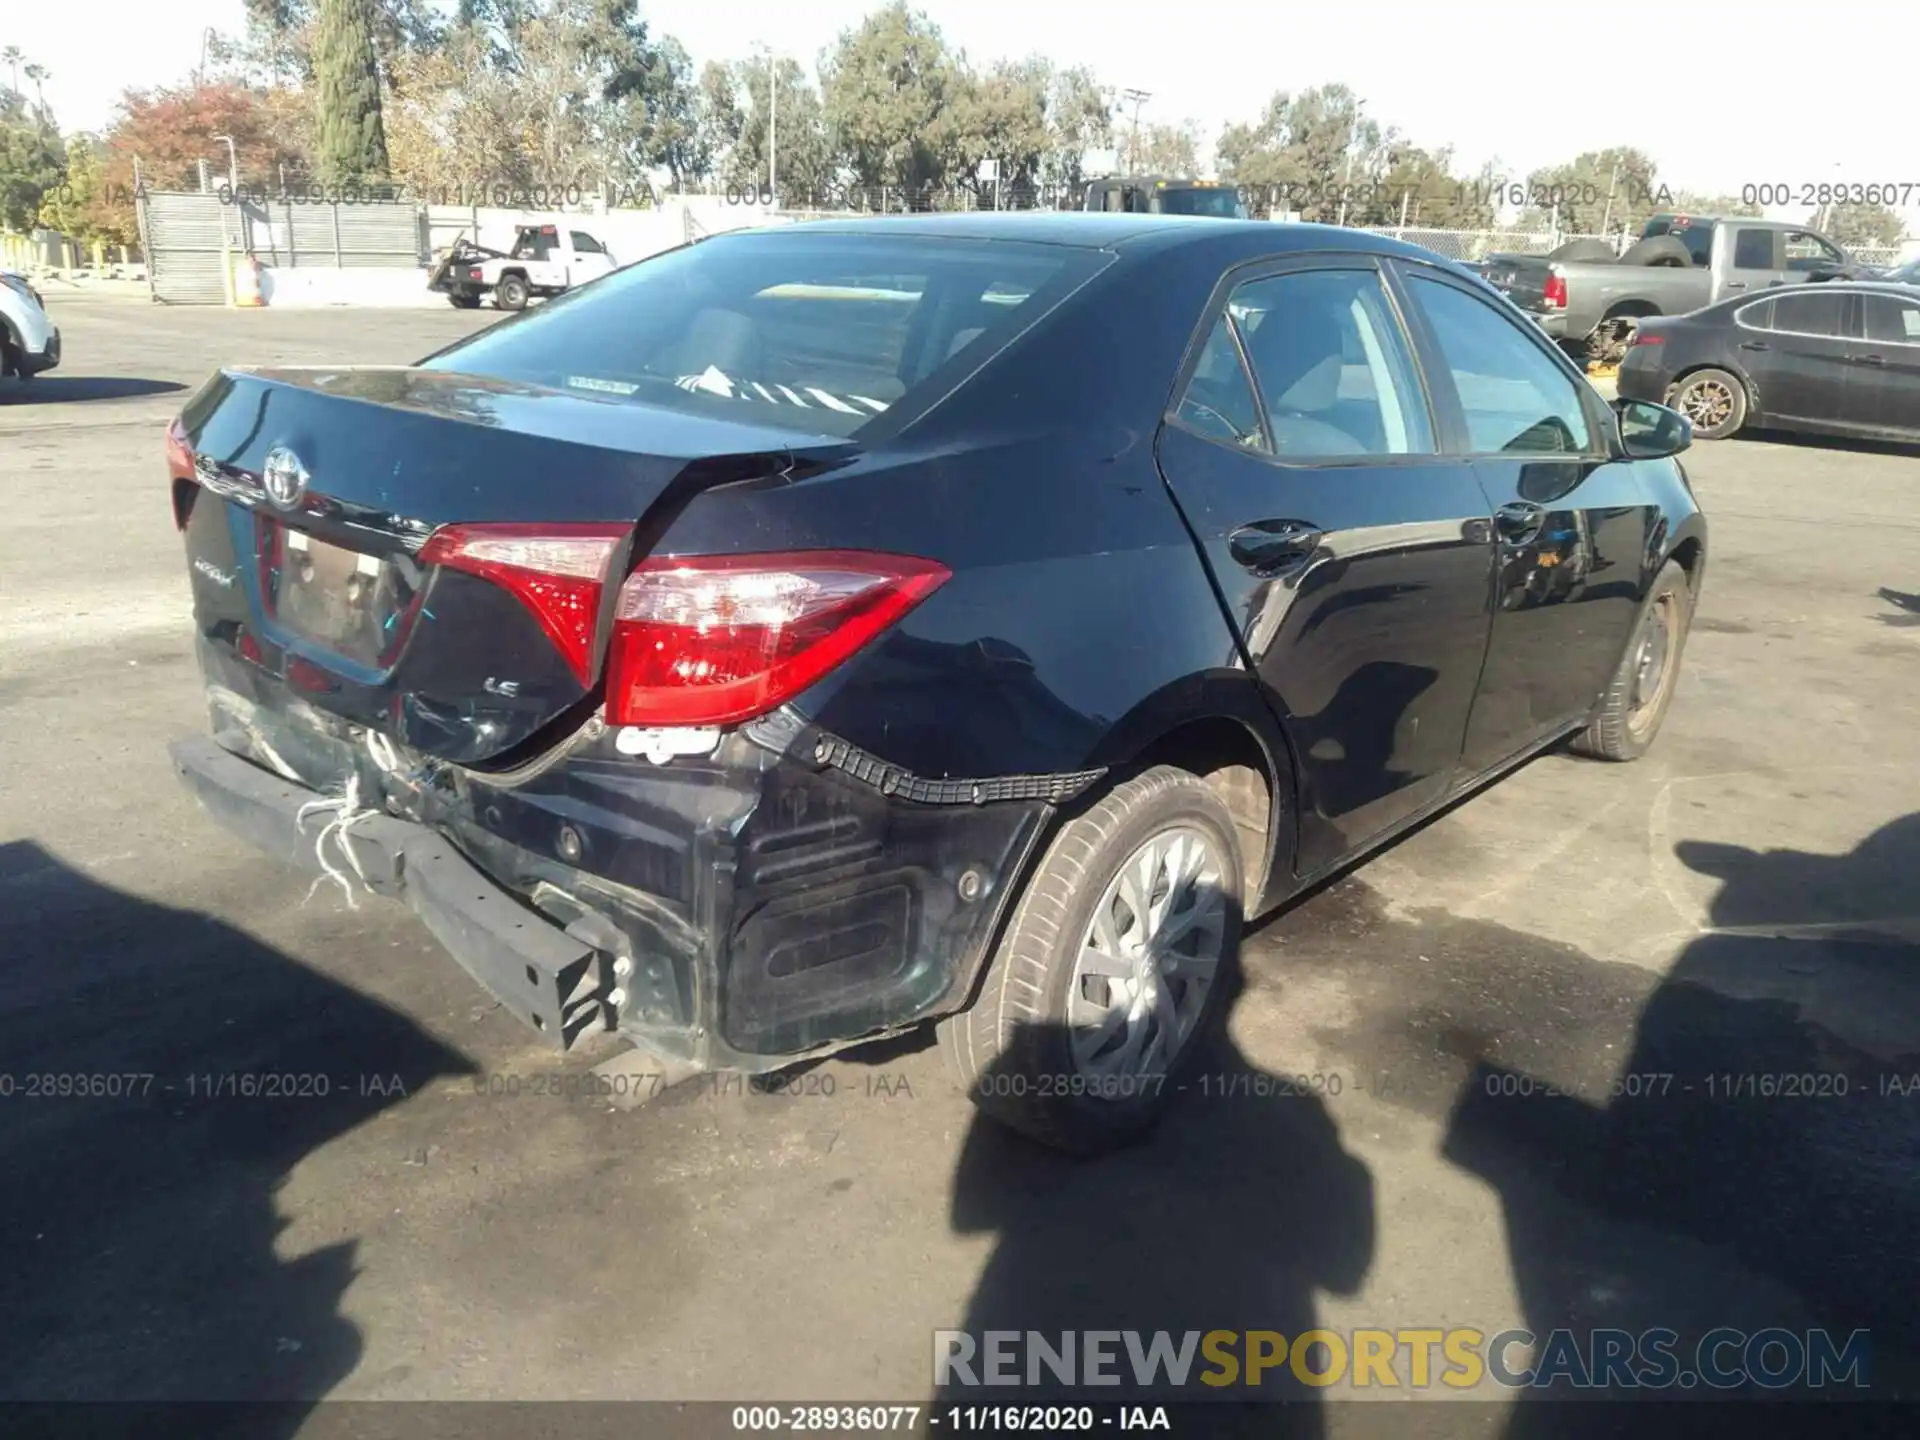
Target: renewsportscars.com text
{"type": "Point", "coordinates": [1458, 1358]}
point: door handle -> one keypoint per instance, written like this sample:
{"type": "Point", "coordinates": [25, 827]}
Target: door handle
{"type": "Point", "coordinates": [1870, 360]}
{"type": "Point", "coordinates": [1772, 283]}
{"type": "Point", "coordinates": [1267, 546]}
{"type": "Point", "coordinates": [1755, 345]}
{"type": "Point", "coordinates": [1518, 522]}
{"type": "Point", "coordinates": [1736, 285]}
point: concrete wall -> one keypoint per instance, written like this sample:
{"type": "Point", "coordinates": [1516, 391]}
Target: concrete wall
{"type": "Point", "coordinates": [314, 286]}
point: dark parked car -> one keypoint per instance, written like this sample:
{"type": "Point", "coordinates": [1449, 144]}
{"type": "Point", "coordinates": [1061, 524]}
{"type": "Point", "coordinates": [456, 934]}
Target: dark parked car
{"type": "Point", "coordinates": [810, 633]}
{"type": "Point", "coordinates": [1839, 359]}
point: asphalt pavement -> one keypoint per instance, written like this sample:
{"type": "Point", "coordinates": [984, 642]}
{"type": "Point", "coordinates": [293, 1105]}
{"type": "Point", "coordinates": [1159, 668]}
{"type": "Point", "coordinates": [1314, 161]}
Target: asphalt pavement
{"type": "Point", "coordinates": [1479, 1018]}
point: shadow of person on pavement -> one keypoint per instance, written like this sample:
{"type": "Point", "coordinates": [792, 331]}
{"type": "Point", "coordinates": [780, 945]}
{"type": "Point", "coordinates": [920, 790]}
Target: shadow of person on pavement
{"type": "Point", "coordinates": [1755, 1161]}
{"type": "Point", "coordinates": [1230, 1215]}
{"type": "Point", "coordinates": [140, 1236]}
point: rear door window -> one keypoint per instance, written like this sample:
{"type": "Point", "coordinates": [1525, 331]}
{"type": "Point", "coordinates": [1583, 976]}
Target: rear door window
{"type": "Point", "coordinates": [1753, 250]}
{"type": "Point", "coordinates": [1818, 312]}
{"type": "Point", "coordinates": [1516, 401]}
{"type": "Point", "coordinates": [821, 332]}
{"type": "Point", "coordinates": [1334, 371]}
{"type": "Point", "coordinates": [1890, 321]}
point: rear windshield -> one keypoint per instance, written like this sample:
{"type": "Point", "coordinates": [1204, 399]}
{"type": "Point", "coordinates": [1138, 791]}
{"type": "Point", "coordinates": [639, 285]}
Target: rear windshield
{"type": "Point", "coordinates": [1222, 203]}
{"type": "Point", "coordinates": [818, 331]}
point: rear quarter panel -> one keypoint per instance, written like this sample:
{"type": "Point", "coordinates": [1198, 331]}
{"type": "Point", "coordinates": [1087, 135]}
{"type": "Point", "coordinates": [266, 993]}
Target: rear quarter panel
{"type": "Point", "coordinates": [1079, 620]}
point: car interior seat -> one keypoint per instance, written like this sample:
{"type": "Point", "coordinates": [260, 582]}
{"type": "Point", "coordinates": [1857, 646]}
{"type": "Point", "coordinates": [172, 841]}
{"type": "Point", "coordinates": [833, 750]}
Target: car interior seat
{"type": "Point", "coordinates": [1297, 352]}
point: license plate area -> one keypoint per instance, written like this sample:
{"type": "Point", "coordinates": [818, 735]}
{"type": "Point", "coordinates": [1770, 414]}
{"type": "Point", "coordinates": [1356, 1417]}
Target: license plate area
{"type": "Point", "coordinates": [355, 604]}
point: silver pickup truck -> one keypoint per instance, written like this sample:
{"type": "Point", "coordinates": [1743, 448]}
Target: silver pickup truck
{"type": "Point", "coordinates": [1589, 300]}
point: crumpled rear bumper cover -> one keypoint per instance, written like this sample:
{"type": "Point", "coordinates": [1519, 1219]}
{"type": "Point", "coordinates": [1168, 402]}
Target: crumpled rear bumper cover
{"type": "Point", "coordinates": [555, 983]}
{"type": "Point", "coordinates": [780, 899]}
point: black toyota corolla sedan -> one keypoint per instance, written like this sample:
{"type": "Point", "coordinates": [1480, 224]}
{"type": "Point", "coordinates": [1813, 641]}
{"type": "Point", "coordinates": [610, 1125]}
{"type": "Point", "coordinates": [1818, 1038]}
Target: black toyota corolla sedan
{"type": "Point", "coordinates": [811, 633]}
{"type": "Point", "coordinates": [1832, 359]}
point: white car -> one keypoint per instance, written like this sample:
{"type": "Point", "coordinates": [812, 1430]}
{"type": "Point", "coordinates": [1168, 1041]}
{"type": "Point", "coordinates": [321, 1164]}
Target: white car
{"type": "Point", "coordinates": [29, 341]}
{"type": "Point", "coordinates": [544, 260]}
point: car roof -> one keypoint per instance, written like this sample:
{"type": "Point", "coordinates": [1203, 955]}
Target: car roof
{"type": "Point", "coordinates": [1098, 230]}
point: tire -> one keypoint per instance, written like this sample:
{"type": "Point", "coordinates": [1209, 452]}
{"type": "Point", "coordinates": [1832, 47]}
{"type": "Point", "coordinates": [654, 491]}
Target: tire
{"type": "Point", "coordinates": [464, 302]}
{"type": "Point", "coordinates": [1588, 252]}
{"type": "Point", "coordinates": [511, 292]}
{"type": "Point", "coordinates": [1635, 704]}
{"type": "Point", "coordinates": [1014, 1049]}
{"type": "Point", "coordinates": [1660, 250]}
{"type": "Point", "coordinates": [1714, 400]}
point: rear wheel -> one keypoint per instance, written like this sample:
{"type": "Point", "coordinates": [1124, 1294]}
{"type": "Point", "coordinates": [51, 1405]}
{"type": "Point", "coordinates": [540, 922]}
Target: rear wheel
{"type": "Point", "coordinates": [1112, 970]}
{"type": "Point", "coordinates": [464, 301]}
{"type": "Point", "coordinates": [1636, 702]}
{"type": "Point", "coordinates": [1715, 401]}
{"type": "Point", "coordinates": [511, 292]}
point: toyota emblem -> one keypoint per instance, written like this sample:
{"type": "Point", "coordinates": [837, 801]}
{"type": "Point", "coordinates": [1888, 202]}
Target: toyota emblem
{"type": "Point", "coordinates": [284, 477]}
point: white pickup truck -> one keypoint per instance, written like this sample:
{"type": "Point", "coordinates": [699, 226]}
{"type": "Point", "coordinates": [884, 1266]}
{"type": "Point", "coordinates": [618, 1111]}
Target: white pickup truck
{"type": "Point", "coordinates": [544, 260]}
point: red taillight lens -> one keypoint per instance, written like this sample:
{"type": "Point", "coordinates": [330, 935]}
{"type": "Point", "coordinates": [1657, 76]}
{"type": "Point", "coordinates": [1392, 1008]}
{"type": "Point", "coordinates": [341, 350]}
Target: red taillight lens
{"type": "Point", "coordinates": [717, 639]}
{"type": "Point", "coordinates": [180, 471]}
{"type": "Point", "coordinates": [1641, 337]}
{"type": "Point", "coordinates": [557, 571]}
{"type": "Point", "coordinates": [179, 452]}
{"type": "Point", "coordinates": [1555, 291]}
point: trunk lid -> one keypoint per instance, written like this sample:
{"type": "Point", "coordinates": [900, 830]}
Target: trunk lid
{"type": "Point", "coordinates": [311, 513]}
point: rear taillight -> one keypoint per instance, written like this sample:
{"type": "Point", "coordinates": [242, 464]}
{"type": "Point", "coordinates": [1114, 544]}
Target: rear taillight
{"type": "Point", "coordinates": [180, 471]}
{"type": "Point", "coordinates": [557, 571]}
{"type": "Point", "coordinates": [716, 639]}
{"type": "Point", "coordinates": [1554, 292]}
{"type": "Point", "coordinates": [179, 452]}
{"type": "Point", "coordinates": [1641, 337]}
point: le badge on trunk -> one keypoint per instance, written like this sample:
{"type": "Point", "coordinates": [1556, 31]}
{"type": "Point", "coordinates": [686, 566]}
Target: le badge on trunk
{"type": "Point", "coordinates": [283, 477]}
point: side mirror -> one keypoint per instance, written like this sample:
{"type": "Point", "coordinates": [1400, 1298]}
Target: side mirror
{"type": "Point", "coordinates": [1651, 432]}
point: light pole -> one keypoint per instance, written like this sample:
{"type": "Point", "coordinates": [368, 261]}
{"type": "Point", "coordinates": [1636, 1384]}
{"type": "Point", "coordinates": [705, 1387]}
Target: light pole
{"type": "Point", "coordinates": [773, 120]}
{"type": "Point", "coordinates": [1346, 179]}
{"type": "Point", "coordinates": [1135, 98]}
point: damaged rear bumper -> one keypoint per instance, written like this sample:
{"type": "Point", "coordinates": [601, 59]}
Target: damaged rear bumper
{"type": "Point", "coordinates": [777, 899]}
{"type": "Point", "coordinates": [556, 983]}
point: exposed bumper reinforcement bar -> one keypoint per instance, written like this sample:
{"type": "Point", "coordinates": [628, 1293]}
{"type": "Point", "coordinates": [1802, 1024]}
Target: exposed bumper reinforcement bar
{"type": "Point", "coordinates": [555, 983]}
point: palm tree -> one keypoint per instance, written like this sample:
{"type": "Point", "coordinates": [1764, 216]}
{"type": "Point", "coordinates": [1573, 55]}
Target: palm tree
{"type": "Point", "coordinates": [12, 56]}
{"type": "Point", "coordinates": [38, 73]}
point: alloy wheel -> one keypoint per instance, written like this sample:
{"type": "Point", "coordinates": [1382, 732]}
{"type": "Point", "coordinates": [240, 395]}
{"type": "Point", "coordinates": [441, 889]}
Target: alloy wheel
{"type": "Point", "coordinates": [1149, 957]}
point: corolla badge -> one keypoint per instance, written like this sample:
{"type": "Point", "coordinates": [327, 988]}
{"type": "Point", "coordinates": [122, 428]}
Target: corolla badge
{"type": "Point", "coordinates": [284, 477]}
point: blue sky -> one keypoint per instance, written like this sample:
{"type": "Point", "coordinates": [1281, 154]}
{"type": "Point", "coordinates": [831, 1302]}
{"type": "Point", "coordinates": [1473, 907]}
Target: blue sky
{"type": "Point", "coordinates": [1720, 101]}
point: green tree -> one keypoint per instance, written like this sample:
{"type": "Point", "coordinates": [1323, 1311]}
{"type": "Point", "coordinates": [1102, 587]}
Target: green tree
{"type": "Point", "coordinates": [1421, 186]}
{"type": "Point", "coordinates": [804, 166]}
{"type": "Point", "coordinates": [885, 87]}
{"type": "Point", "coordinates": [352, 134]}
{"type": "Point", "coordinates": [1695, 202]}
{"type": "Point", "coordinates": [1170, 150]}
{"type": "Point", "coordinates": [1306, 150]}
{"type": "Point", "coordinates": [1864, 224]}
{"type": "Point", "coordinates": [720, 116]}
{"type": "Point", "coordinates": [1598, 192]}
{"type": "Point", "coordinates": [1079, 119]}
{"type": "Point", "coordinates": [32, 160]}
{"type": "Point", "coordinates": [1000, 116]}
{"type": "Point", "coordinates": [657, 126]}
